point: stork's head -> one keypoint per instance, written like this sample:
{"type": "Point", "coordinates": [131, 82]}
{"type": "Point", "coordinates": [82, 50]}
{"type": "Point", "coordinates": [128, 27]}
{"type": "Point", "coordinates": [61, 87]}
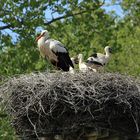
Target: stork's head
{"type": "Point", "coordinates": [80, 56]}
{"type": "Point", "coordinates": [108, 49]}
{"type": "Point", "coordinates": [44, 34]}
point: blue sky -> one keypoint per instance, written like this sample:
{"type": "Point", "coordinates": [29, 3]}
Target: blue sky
{"type": "Point", "coordinates": [118, 10]}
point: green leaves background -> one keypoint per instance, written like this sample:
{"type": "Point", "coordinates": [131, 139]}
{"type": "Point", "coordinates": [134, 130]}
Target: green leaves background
{"type": "Point", "coordinates": [83, 26]}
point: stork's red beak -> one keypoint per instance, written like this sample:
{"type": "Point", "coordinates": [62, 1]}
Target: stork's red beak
{"type": "Point", "coordinates": [39, 37]}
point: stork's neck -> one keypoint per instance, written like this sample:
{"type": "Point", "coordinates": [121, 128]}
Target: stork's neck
{"type": "Point", "coordinates": [42, 41]}
{"type": "Point", "coordinates": [80, 59]}
{"type": "Point", "coordinates": [107, 53]}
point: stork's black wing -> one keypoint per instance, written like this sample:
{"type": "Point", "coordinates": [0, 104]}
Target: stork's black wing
{"type": "Point", "coordinates": [94, 55]}
{"type": "Point", "coordinates": [64, 61]}
{"type": "Point", "coordinates": [94, 63]}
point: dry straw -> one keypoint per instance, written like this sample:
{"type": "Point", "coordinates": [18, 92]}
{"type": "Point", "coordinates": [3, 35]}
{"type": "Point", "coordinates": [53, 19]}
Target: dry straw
{"type": "Point", "coordinates": [63, 103]}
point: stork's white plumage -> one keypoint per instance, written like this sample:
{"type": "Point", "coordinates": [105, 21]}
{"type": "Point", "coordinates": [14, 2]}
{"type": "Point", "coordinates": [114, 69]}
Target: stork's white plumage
{"type": "Point", "coordinates": [99, 58]}
{"type": "Point", "coordinates": [83, 66]}
{"type": "Point", "coordinates": [71, 70]}
{"type": "Point", "coordinates": [54, 51]}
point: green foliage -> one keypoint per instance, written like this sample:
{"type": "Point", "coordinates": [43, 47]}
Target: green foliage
{"type": "Point", "coordinates": [6, 131]}
{"type": "Point", "coordinates": [84, 28]}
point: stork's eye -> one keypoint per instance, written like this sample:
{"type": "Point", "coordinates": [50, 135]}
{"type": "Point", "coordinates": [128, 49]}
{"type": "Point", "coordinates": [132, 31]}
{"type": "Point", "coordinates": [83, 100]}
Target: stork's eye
{"type": "Point", "coordinates": [110, 50]}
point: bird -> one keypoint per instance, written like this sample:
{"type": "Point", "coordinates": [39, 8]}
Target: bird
{"type": "Point", "coordinates": [84, 66]}
{"type": "Point", "coordinates": [99, 59]}
{"type": "Point", "coordinates": [54, 51]}
{"type": "Point", "coordinates": [74, 61]}
{"type": "Point", "coordinates": [71, 70]}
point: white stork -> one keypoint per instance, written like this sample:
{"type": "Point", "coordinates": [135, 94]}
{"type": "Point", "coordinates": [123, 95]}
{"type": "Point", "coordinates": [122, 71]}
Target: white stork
{"type": "Point", "coordinates": [74, 61]}
{"type": "Point", "coordinates": [72, 69]}
{"type": "Point", "coordinates": [54, 51]}
{"type": "Point", "coordinates": [83, 66]}
{"type": "Point", "coordinates": [99, 59]}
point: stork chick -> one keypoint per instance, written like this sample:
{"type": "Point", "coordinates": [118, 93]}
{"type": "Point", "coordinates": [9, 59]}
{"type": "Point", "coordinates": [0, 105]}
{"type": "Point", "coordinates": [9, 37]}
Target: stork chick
{"type": "Point", "coordinates": [74, 61]}
{"type": "Point", "coordinates": [100, 59]}
{"type": "Point", "coordinates": [83, 66]}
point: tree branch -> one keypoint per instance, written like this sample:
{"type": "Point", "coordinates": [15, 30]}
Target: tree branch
{"type": "Point", "coordinates": [5, 27]}
{"type": "Point", "coordinates": [65, 16]}
{"type": "Point", "coordinates": [70, 15]}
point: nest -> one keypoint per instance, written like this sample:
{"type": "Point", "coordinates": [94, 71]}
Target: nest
{"type": "Point", "coordinates": [63, 103]}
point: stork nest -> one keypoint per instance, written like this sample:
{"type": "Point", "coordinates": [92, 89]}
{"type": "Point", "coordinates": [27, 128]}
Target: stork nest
{"type": "Point", "coordinates": [64, 103]}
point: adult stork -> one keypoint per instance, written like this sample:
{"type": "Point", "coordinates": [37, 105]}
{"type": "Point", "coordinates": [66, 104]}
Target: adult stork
{"type": "Point", "coordinates": [84, 66]}
{"type": "Point", "coordinates": [99, 59]}
{"type": "Point", "coordinates": [54, 51]}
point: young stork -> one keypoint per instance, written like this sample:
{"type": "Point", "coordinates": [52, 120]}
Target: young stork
{"type": "Point", "coordinates": [83, 66]}
{"type": "Point", "coordinates": [54, 51]}
{"type": "Point", "coordinates": [74, 61]}
{"type": "Point", "coordinates": [99, 59]}
{"type": "Point", "coordinates": [71, 70]}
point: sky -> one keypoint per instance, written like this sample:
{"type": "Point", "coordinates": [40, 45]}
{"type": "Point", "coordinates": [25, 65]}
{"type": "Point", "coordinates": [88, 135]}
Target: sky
{"type": "Point", "coordinates": [118, 10]}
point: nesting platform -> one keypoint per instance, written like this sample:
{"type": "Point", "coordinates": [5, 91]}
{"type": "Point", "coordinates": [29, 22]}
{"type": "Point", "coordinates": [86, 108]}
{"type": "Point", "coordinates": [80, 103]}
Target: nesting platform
{"type": "Point", "coordinates": [76, 105]}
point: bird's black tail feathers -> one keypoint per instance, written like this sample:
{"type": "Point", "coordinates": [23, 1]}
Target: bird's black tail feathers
{"type": "Point", "coordinates": [64, 61]}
